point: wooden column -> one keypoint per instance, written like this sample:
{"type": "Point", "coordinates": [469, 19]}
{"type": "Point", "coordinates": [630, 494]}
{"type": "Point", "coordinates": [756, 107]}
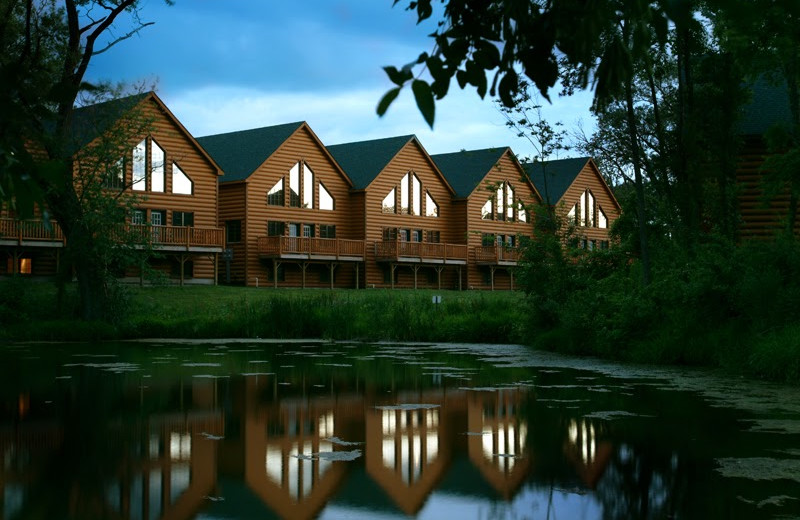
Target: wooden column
{"type": "Point", "coordinates": [439, 269]}
{"type": "Point", "coordinates": [415, 268]}
{"type": "Point", "coordinates": [303, 267]}
{"type": "Point", "coordinates": [491, 274]}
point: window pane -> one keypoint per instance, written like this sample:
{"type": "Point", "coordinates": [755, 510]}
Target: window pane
{"type": "Point", "coordinates": [139, 173]}
{"type": "Point", "coordinates": [115, 177]}
{"type": "Point", "coordinates": [308, 187]}
{"type": "Point", "coordinates": [157, 165]}
{"type": "Point", "coordinates": [181, 183]}
{"type": "Point", "coordinates": [602, 221]}
{"type": "Point", "coordinates": [308, 230]}
{"type": "Point", "coordinates": [325, 199]}
{"type": "Point", "coordinates": [499, 204]}
{"type": "Point", "coordinates": [572, 215]}
{"type": "Point", "coordinates": [275, 195]}
{"type": "Point", "coordinates": [294, 186]}
{"type": "Point", "coordinates": [417, 195]}
{"type": "Point", "coordinates": [486, 210]}
{"type": "Point", "coordinates": [294, 229]}
{"type": "Point", "coordinates": [388, 202]}
{"type": "Point", "coordinates": [582, 210]}
{"type": "Point", "coordinates": [431, 209]}
{"type": "Point", "coordinates": [404, 209]}
{"type": "Point", "coordinates": [590, 209]}
{"type": "Point", "coordinates": [509, 202]}
{"type": "Point", "coordinates": [522, 216]}
{"type": "Point", "coordinates": [137, 217]}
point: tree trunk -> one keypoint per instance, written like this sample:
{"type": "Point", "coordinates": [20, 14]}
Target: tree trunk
{"type": "Point", "coordinates": [639, 183]}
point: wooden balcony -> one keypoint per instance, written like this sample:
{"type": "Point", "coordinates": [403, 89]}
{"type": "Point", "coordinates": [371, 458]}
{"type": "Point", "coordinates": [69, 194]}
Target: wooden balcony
{"type": "Point", "coordinates": [30, 233]}
{"type": "Point", "coordinates": [420, 252]}
{"type": "Point", "coordinates": [497, 255]}
{"type": "Point", "coordinates": [304, 248]}
{"type": "Point", "coordinates": [179, 238]}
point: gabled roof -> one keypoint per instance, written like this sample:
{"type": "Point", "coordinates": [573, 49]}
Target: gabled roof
{"type": "Point", "coordinates": [241, 153]}
{"type": "Point", "coordinates": [556, 176]}
{"type": "Point", "coordinates": [768, 106]}
{"type": "Point", "coordinates": [364, 160]}
{"type": "Point", "coordinates": [466, 169]}
{"type": "Point", "coordinates": [90, 122]}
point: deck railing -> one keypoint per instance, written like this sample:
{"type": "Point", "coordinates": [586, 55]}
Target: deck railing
{"type": "Point", "coordinates": [331, 247]}
{"type": "Point", "coordinates": [31, 230]}
{"type": "Point", "coordinates": [178, 236]}
{"type": "Point", "coordinates": [496, 254]}
{"type": "Point", "coordinates": [396, 249]}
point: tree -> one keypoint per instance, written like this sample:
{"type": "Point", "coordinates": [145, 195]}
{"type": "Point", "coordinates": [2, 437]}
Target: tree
{"type": "Point", "coordinates": [47, 48]}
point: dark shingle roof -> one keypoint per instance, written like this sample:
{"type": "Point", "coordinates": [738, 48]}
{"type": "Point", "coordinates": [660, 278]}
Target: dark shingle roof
{"type": "Point", "coordinates": [240, 153]}
{"type": "Point", "coordinates": [364, 160]}
{"type": "Point", "coordinates": [560, 174]}
{"type": "Point", "coordinates": [91, 121]}
{"type": "Point", "coordinates": [464, 170]}
{"type": "Point", "coordinates": [768, 106]}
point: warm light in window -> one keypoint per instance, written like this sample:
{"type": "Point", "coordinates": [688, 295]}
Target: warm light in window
{"type": "Point", "coordinates": [25, 266]}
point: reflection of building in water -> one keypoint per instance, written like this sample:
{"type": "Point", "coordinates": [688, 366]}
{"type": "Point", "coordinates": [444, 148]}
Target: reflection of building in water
{"type": "Point", "coordinates": [280, 443]}
{"type": "Point", "coordinates": [498, 438]}
{"type": "Point", "coordinates": [408, 448]}
{"type": "Point", "coordinates": [587, 452]}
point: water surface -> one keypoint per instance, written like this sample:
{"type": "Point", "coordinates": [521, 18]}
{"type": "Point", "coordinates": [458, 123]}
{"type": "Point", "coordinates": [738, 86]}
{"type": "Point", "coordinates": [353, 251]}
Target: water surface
{"type": "Point", "coordinates": [309, 429]}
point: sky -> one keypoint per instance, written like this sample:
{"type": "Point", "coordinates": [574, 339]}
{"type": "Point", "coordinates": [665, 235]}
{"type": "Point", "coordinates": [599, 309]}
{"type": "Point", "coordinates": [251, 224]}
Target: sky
{"type": "Point", "coordinates": [227, 65]}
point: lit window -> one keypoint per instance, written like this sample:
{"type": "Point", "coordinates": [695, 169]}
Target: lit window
{"type": "Point", "coordinates": [294, 186]}
{"type": "Point", "coordinates": [431, 208]}
{"type": "Point", "coordinates": [308, 187]}
{"type": "Point", "coordinates": [486, 211]}
{"type": "Point", "coordinates": [181, 183]}
{"type": "Point", "coordinates": [325, 199]}
{"type": "Point", "coordinates": [275, 195]}
{"type": "Point", "coordinates": [404, 207]}
{"type": "Point", "coordinates": [157, 167]}
{"type": "Point", "coordinates": [25, 265]}
{"type": "Point", "coordinates": [389, 202]}
{"type": "Point", "coordinates": [139, 167]}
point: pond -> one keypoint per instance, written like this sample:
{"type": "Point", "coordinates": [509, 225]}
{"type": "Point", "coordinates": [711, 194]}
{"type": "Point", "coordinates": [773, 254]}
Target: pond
{"type": "Point", "coordinates": [310, 429]}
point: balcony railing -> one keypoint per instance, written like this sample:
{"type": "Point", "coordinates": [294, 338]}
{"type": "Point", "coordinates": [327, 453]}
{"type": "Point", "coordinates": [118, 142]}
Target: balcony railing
{"type": "Point", "coordinates": [496, 254]}
{"type": "Point", "coordinates": [30, 230]}
{"type": "Point", "coordinates": [177, 236]}
{"type": "Point", "coordinates": [399, 250]}
{"type": "Point", "coordinates": [276, 247]}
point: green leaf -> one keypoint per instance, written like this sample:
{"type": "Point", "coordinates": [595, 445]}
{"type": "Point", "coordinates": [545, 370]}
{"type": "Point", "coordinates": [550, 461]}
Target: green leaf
{"type": "Point", "coordinates": [398, 77]}
{"type": "Point", "coordinates": [424, 97]}
{"type": "Point", "coordinates": [386, 100]}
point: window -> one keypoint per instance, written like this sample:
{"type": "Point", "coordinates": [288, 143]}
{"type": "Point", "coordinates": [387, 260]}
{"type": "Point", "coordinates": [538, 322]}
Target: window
{"type": "Point", "coordinates": [389, 202]}
{"type": "Point", "coordinates": [137, 217]}
{"type": "Point", "coordinates": [433, 237]}
{"type": "Point", "coordinates": [416, 235]}
{"type": "Point", "coordinates": [431, 208]}
{"type": "Point", "coordinates": [602, 221]}
{"type": "Point", "coordinates": [486, 211]}
{"type": "Point", "coordinates": [572, 216]}
{"type": "Point", "coordinates": [390, 233]}
{"type": "Point", "coordinates": [327, 231]}
{"type": "Point", "coordinates": [181, 183]}
{"type": "Point", "coordinates": [308, 187]}
{"type": "Point", "coordinates": [586, 212]}
{"type": "Point", "coordinates": [404, 207]}
{"type": "Point", "coordinates": [294, 186]}
{"type": "Point", "coordinates": [403, 233]}
{"type": "Point", "coordinates": [487, 240]}
{"type": "Point", "coordinates": [25, 265]}
{"type": "Point", "coordinates": [499, 207]}
{"type": "Point", "coordinates": [157, 167]}
{"type": "Point", "coordinates": [158, 217]}
{"type": "Point", "coordinates": [522, 215]}
{"type": "Point", "coordinates": [509, 202]}
{"type": "Point", "coordinates": [410, 194]}
{"type": "Point", "coordinates": [416, 191]}
{"type": "Point", "coordinates": [308, 230]}
{"type": "Point", "coordinates": [275, 195]}
{"type": "Point", "coordinates": [115, 177]}
{"type": "Point", "coordinates": [139, 166]}
{"type": "Point", "coordinates": [233, 230]}
{"type": "Point", "coordinates": [275, 228]}
{"type": "Point", "coordinates": [326, 201]}
{"type": "Point", "coordinates": [294, 229]}
{"type": "Point", "coordinates": [183, 218]}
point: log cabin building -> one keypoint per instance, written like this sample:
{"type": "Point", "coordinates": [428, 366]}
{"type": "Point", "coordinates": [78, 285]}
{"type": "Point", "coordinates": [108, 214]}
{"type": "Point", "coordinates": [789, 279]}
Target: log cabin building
{"type": "Point", "coordinates": [581, 196]}
{"type": "Point", "coordinates": [172, 177]}
{"type": "Point", "coordinates": [286, 208]}
{"type": "Point", "coordinates": [493, 202]}
{"type": "Point", "coordinates": [402, 206]}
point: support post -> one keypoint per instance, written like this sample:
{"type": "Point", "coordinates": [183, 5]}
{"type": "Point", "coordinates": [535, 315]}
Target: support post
{"type": "Point", "coordinates": [357, 265]}
{"type": "Point", "coordinates": [491, 275]}
{"type": "Point", "coordinates": [439, 269]}
{"type": "Point", "coordinates": [415, 267]}
{"type": "Point", "coordinates": [303, 267]}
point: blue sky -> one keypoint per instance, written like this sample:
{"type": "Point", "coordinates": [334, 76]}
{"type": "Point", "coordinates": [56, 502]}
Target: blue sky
{"type": "Point", "coordinates": [225, 65]}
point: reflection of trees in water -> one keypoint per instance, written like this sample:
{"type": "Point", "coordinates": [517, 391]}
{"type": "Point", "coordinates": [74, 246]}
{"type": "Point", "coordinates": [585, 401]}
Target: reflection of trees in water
{"type": "Point", "coordinates": [642, 483]}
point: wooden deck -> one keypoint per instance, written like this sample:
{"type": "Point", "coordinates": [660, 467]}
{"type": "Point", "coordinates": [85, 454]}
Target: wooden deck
{"type": "Point", "coordinates": [30, 233]}
{"type": "Point", "coordinates": [497, 255]}
{"type": "Point", "coordinates": [37, 233]}
{"type": "Point", "coordinates": [303, 248]}
{"type": "Point", "coordinates": [420, 252]}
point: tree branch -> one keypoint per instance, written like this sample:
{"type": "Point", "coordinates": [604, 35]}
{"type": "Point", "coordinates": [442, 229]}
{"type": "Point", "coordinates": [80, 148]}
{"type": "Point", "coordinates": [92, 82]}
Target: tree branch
{"type": "Point", "coordinates": [123, 38]}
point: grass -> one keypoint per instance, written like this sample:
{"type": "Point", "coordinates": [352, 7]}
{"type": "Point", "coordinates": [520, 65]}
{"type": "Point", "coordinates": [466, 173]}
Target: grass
{"type": "Point", "coordinates": [28, 311]}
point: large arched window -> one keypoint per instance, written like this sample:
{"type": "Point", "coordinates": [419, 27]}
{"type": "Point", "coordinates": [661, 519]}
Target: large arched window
{"type": "Point", "coordinates": [302, 184]}
{"type": "Point", "coordinates": [410, 191]}
{"type": "Point", "coordinates": [587, 212]}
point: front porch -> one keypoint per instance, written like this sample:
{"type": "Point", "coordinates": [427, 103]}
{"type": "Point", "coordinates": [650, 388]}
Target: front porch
{"type": "Point", "coordinates": [418, 254]}
{"type": "Point", "coordinates": [306, 251]}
